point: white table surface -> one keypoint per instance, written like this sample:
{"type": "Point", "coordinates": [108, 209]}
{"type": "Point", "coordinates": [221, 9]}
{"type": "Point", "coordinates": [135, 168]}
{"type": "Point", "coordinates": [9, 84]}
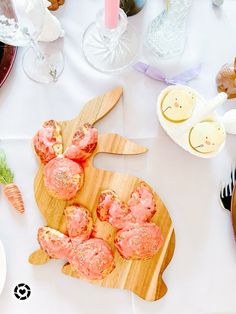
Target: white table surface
{"type": "Point", "coordinates": [201, 277]}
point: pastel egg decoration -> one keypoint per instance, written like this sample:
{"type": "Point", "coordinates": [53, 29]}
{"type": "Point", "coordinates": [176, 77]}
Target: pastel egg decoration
{"type": "Point", "coordinates": [192, 122]}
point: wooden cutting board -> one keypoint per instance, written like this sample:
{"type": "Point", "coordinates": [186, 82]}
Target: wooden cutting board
{"type": "Point", "coordinates": [142, 277]}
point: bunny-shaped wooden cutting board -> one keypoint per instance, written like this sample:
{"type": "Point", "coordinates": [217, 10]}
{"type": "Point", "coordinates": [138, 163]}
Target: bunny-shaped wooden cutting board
{"type": "Point", "coordinates": [143, 277]}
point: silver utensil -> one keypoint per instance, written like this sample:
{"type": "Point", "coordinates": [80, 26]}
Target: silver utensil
{"type": "Point", "coordinates": [227, 190]}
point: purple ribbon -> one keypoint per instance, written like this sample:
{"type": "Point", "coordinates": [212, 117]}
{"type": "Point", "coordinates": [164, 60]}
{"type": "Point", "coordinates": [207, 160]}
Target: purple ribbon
{"type": "Point", "coordinates": [156, 74]}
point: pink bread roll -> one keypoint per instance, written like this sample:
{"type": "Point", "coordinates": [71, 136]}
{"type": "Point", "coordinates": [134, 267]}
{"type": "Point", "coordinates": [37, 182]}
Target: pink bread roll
{"type": "Point", "coordinates": [139, 241]}
{"type": "Point", "coordinates": [113, 210]}
{"type": "Point", "coordinates": [142, 204]}
{"type": "Point", "coordinates": [92, 259]}
{"type": "Point", "coordinates": [63, 178]}
{"type": "Point", "coordinates": [83, 144]}
{"type": "Point", "coordinates": [54, 243]}
{"type": "Point", "coordinates": [79, 222]}
{"type": "Point", "coordinates": [48, 141]}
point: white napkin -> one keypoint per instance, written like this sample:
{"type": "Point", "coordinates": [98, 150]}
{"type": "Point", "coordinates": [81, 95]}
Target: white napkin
{"type": "Point", "coordinates": [52, 28]}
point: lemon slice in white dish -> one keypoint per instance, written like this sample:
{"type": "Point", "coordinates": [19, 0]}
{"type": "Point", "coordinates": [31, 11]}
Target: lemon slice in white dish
{"type": "Point", "coordinates": [3, 267]}
{"type": "Point", "coordinates": [207, 137]}
{"type": "Point", "coordinates": [178, 105]}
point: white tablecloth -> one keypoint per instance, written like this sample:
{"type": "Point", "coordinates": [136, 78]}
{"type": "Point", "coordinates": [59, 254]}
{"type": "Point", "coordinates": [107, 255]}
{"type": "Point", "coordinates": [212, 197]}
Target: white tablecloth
{"type": "Point", "coordinates": [201, 277]}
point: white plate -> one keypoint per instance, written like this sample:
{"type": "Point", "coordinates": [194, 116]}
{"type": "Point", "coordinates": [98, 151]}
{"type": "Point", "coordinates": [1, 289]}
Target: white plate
{"type": "Point", "coordinates": [3, 267]}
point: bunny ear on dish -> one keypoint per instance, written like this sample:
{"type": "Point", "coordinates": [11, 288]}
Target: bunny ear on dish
{"type": "Point", "coordinates": [48, 141]}
{"type": "Point", "coordinates": [83, 143]}
{"type": "Point", "coordinates": [95, 109]}
{"type": "Point", "coordinates": [118, 145]}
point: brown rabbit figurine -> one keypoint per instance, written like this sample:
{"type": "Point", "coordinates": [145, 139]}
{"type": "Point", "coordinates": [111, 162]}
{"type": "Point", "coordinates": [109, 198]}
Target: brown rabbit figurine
{"type": "Point", "coordinates": [144, 276]}
{"type": "Point", "coordinates": [226, 79]}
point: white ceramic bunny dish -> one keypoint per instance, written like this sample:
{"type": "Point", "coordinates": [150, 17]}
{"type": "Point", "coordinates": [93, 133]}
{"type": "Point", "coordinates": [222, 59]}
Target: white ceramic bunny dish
{"type": "Point", "coordinates": [191, 121]}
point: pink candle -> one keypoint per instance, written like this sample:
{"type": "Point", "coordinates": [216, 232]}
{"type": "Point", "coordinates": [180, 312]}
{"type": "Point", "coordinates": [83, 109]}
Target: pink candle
{"type": "Point", "coordinates": [112, 13]}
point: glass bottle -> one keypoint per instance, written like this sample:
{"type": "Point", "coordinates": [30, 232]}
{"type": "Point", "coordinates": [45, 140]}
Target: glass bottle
{"type": "Point", "coordinates": [132, 7]}
{"type": "Point", "coordinates": [166, 35]}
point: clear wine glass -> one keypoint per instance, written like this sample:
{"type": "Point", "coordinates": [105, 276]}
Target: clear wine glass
{"type": "Point", "coordinates": [21, 22]}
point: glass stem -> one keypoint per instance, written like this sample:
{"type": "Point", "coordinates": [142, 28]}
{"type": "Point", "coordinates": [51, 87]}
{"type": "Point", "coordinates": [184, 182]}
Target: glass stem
{"type": "Point", "coordinates": [35, 46]}
{"type": "Point", "coordinates": [41, 58]}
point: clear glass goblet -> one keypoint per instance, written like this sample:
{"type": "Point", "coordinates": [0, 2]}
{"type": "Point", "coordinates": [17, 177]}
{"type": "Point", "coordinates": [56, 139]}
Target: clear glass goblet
{"type": "Point", "coordinates": [21, 22]}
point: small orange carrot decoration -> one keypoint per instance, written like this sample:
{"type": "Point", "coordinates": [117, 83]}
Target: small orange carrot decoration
{"type": "Point", "coordinates": [10, 189]}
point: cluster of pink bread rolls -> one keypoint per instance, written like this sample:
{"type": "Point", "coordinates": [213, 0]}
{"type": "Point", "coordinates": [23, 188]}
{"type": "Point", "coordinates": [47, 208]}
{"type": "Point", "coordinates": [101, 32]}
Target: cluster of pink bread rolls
{"type": "Point", "coordinates": [137, 237]}
{"type": "Point", "coordinates": [63, 172]}
{"type": "Point", "coordinates": [91, 258]}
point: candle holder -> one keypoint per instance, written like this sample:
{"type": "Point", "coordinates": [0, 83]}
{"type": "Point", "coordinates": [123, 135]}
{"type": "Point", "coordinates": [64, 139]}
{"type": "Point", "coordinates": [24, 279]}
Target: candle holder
{"type": "Point", "coordinates": [110, 49]}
